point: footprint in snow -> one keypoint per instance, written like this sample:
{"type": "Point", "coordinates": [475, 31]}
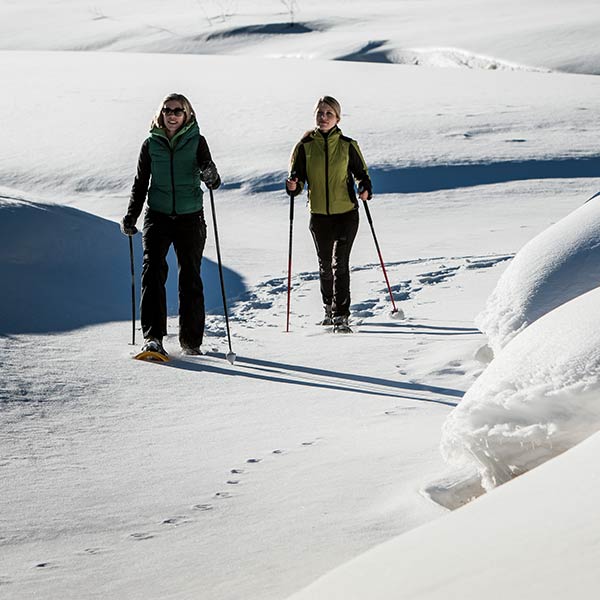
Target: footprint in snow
{"type": "Point", "coordinates": [223, 495]}
{"type": "Point", "coordinates": [399, 409]}
{"type": "Point", "coordinates": [203, 507]}
{"type": "Point", "coordinates": [93, 551]}
{"type": "Point", "coordinates": [176, 520]}
{"type": "Point", "coordinates": [141, 536]}
{"type": "Point", "coordinates": [253, 460]}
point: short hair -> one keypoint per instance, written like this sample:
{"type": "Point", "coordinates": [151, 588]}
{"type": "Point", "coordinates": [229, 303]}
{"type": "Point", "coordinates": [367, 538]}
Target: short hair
{"type": "Point", "coordinates": [159, 119]}
{"type": "Point", "coordinates": [331, 101]}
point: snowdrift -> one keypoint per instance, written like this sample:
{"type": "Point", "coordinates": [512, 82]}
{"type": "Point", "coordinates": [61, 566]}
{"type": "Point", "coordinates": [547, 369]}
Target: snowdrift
{"type": "Point", "coordinates": [62, 268]}
{"type": "Point", "coordinates": [521, 537]}
{"type": "Point", "coordinates": [556, 266]}
{"type": "Point", "coordinates": [537, 398]}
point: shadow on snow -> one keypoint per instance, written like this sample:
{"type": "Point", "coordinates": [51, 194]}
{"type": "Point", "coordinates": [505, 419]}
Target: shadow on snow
{"type": "Point", "coordinates": [432, 178]}
{"type": "Point", "coordinates": [62, 268]}
{"type": "Point", "coordinates": [415, 329]}
{"type": "Point", "coordinates": [279, 372]}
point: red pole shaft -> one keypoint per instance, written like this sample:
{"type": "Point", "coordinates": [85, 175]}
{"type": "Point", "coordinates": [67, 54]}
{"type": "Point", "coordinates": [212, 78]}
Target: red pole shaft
{"type": "Point", "coordinates": [387, 281]}
{"type": "Point", "coordinates": [289, 278]}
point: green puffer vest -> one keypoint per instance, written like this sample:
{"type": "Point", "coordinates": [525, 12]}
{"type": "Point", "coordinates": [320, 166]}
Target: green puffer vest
{"type": "Point", "coordinates": [330, 184]}
{"type": "Point", "coordinates": [175, 183]}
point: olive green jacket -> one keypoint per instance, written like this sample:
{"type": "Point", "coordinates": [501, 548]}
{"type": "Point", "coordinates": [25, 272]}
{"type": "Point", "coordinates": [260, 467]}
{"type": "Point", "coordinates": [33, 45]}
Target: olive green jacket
{"type": "Point", "coordinates": [329, 164]}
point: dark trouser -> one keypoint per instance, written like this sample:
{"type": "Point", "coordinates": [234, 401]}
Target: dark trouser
{"type": "Point", "coordinates": [187, 233]}
{"type": "Point", "coordinates": [334, 236]}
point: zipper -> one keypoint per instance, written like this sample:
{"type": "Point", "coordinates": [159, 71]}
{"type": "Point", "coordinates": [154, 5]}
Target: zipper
{"type": "Point", "coordinates": [172, 181]}
{"type": "Point", "coordinates": [327, 174]}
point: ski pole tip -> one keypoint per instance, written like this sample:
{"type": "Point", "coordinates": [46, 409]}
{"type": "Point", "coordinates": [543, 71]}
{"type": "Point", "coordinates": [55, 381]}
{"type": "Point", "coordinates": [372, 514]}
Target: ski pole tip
{"type": "Point", "coordinates": [231, 356]}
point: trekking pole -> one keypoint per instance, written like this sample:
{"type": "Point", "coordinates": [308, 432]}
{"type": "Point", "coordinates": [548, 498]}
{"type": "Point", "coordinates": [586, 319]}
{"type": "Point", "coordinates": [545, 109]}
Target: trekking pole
{"type": "Point", "coordinates": [132, 291]}
{"type": "Point", "coordinates": [289, 277]}
{"type": "Point", "coordinates": [395, 310]}
{"type": "Point", "coordinates": [230, 356]}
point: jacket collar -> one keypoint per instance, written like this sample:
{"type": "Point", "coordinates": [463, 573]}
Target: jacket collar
{"type": "Point", "coordinates": [190, 128]}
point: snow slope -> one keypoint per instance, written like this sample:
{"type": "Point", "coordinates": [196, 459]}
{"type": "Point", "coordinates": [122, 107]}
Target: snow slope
{"type": "Point", "coordinates": [554, 267]}
{"type": "Point", "coordinates": [202, 479]}
{"type": "Point", "coordinates": [538, 397]}
{"type": "Point", "coordinates": [532, 537]}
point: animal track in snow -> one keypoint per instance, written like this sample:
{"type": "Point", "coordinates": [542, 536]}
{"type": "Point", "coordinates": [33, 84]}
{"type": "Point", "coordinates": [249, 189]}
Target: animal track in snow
{"type": "Point", "coordinates": [176, 520]}
{"type": "Point", "coordinates": [223, 495]}
{"type": "Point", "coordinates": [141, 536]}
{"type": "Point", "coordinates": [399, 409]}
{"type": "Point", "coordinates": [93, 551]}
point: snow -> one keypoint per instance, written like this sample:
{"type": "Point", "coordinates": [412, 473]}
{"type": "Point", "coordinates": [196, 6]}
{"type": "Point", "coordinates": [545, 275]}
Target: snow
{"type": "Point", "coordinates": [538, 397]}
{"type": "Point", "coordinates": [532, 537]}
{"type": "Point", "coordinates": [201, 479]}
{"type": "Point", "coordinates": [554, 267]}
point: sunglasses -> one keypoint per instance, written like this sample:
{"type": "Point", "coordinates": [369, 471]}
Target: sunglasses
{"type": "Point", "coordinates": [173, 111]}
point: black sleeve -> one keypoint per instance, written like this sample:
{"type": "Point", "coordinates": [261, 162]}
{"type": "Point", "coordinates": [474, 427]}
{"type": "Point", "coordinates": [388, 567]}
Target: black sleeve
{"type": "Point", "coordinates": [203, 153]}
{"type": "Point", "coordinates": [139, 189]}
{"type": "Point", "coordinates": [298, 167]}
{"type": "Point", "coordinates": [204, 160]}
{"type": "Point", "coordinates": [359, 170]}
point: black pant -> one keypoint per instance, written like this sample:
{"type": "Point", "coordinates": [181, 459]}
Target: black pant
{"type": "Point", "coordinates": [187, 233]}
{"type": "Point", "coordinates": [333, 236]}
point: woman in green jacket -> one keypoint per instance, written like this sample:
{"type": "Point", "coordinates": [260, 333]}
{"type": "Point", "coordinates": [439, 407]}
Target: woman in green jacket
{"type": "Point", "coordinates": [331, 164]}
{"type": "Point", "coordinates": [173, 160]}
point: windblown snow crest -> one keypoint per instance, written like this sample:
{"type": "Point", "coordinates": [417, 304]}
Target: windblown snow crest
{"type": "Point", "coordinates": [538, 397]}
{"type": "Point", "coordinates": [383, 52]}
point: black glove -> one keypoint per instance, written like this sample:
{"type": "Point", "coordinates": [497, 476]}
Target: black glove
{"type": "Point", "coordinates": [210, 176]}
{"type": "Point", "coordinates": [362, 187]}
{"type": "Point", "coordinates": [128, 225]}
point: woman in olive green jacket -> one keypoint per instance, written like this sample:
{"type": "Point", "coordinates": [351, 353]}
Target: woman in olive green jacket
{"type": "Point", "coordinates": [330, 164]}
{"type": "Point", "coordinates": [172, 162]}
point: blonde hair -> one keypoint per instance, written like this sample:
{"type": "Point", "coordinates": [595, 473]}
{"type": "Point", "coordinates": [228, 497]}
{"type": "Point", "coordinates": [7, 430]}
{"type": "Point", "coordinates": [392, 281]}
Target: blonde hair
{"type": "Point", "coordinates": [331, 101]}
{"type": "Point", "coordinates": [159, 119]}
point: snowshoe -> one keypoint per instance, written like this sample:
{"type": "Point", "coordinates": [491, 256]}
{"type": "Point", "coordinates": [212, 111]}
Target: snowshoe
{"type": "Point", "coordinates": [191, 350]}
{"type": "Point", "coordinates": [340, 325]}
{"type": "Point", "coordinates": [328, 318]}
{"type": "Point", "coordinates": [152, 351]}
